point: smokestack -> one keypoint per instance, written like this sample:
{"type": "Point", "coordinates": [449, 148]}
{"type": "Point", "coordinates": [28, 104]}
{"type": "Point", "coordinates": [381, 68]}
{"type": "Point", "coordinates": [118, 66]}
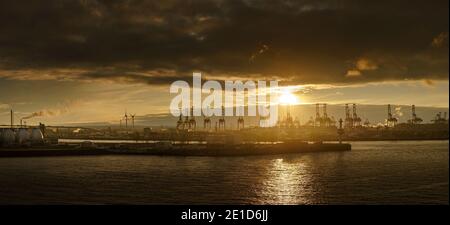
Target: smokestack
{"type": "Point", "coordinates": [12, 118]}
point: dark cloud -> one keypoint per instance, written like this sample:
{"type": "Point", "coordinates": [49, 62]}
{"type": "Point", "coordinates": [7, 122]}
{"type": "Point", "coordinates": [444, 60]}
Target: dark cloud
{"type": "Point", "coordinates": [299, 41]}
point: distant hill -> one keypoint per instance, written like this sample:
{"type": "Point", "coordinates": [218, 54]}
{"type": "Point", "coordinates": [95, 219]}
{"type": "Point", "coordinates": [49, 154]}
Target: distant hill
{"type": "Point", "coordinates": [375, 113]}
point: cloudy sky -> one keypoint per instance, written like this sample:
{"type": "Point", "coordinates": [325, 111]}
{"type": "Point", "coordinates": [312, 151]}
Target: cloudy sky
{"type": "Point", "coordinates": [89, 60]}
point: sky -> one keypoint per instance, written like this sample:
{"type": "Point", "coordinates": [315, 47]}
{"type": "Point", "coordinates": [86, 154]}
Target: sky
{"type": "Point", "coordinates": [80, 61]}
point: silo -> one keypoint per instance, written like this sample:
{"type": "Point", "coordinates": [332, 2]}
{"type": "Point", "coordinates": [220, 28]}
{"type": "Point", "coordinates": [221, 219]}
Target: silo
{"type": "Point", "coordinates": [23, 136]}
{"type": "Point", "coordinates": [36, 136]}
{"type": "Point", "coordinates": [8, 137]}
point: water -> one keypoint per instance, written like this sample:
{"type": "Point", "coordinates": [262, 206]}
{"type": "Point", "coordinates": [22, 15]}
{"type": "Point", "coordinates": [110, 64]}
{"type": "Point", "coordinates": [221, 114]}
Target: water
{"type": "Point", "coordinates": [403, 172]}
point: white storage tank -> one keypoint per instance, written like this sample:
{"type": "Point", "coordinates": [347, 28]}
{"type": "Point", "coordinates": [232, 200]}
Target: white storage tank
{"type": "Point", "coordinates": [8, 137]}
{"type": "Point", "coordinates": [23, 136]}
{"type": "Point", "coordinates": [36, 136]}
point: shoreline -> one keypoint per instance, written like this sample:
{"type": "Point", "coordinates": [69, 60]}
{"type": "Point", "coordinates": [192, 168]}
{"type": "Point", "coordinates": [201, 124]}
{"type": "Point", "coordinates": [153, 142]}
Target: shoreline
{"type": "Point", "coordinates": [344, 140]}
{"type": "Point", "coordinates": [177, 150]}
{"type": "Point", "coordinates": [183, 149]}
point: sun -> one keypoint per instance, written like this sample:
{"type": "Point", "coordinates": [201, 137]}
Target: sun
{"type": "Point", "coordinates": [287, 98]}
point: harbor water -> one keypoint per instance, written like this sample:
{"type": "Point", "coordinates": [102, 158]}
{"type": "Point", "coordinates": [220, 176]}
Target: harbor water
{"type": "Point", "coordinates": [383, 172]}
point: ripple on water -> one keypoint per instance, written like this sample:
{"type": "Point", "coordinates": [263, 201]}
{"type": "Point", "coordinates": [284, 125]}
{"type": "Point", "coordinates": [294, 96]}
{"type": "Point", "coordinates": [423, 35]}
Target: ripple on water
{"type": "Point", "coordinates": [407, 172]}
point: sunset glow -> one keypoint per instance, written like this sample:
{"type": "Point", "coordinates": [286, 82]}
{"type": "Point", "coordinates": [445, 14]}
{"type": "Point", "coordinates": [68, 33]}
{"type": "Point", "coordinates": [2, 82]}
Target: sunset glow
{"type": "Point", "coordinates": [288, 98]}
